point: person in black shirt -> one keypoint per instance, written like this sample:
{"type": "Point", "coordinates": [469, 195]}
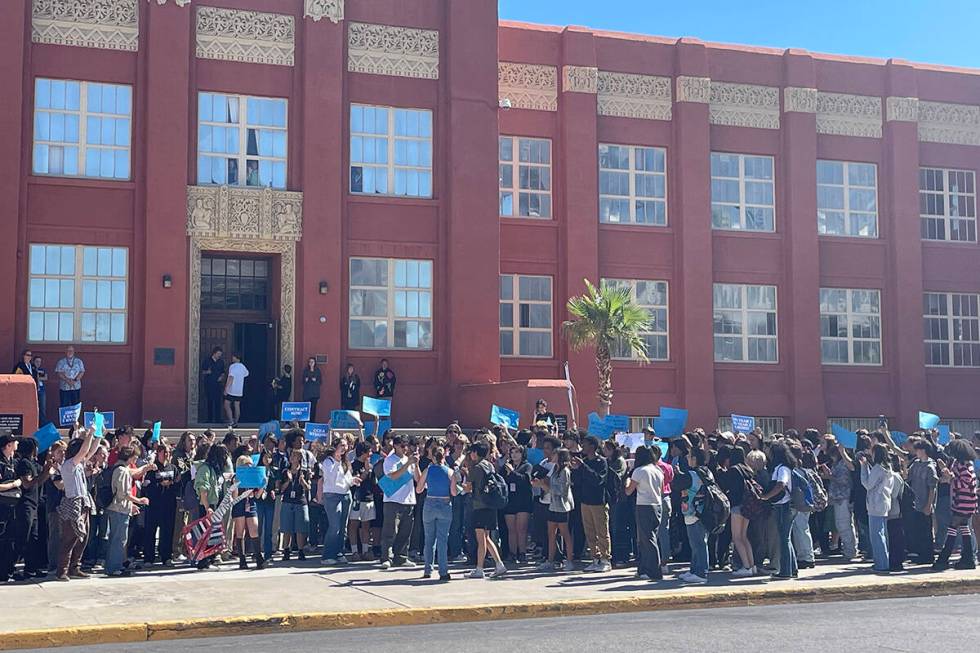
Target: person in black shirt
{"type": "Point", "coordinates": [213, 378]}
{"type": "Point", "coordinates": [312, 379]}
{"type": "Point", "coordinates": [542, 414]}
{"type": "Point", "coordinates": [350, 389]}
{"type": "Point", "coordinates": [520, 503]}
{"type": "Point", "coordinates": [11, 485]}
{"type": "Point", "coordinates": [384, 381]}
{"type": "Point", "coordinates": [282, 390]}
{"type": "Point", "coordinates": [32, 477]}
{"type": "Point", "coordinates": [363, 508]}
{"type": "Point", "coordinates": [161, 488]}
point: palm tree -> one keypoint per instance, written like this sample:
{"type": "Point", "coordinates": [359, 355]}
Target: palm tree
{"type": "Point", "coordinates": [603, 317]}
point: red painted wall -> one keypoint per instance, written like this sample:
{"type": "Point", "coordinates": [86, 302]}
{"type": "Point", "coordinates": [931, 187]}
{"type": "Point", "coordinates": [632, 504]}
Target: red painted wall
{"type": "Point", "coordinates": [459, 228]}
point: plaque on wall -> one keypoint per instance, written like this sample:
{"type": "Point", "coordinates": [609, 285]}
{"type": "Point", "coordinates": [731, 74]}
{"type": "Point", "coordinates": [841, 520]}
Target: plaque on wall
{"type": "Point", "coordinates": [12, 421]}
{"type": "Point", "coordinates": [163, 356]}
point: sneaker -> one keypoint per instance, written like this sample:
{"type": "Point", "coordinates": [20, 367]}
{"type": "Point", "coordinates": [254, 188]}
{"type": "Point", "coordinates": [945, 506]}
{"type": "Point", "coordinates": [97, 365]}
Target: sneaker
{"type": "Point", "coordinates": [78, 573]}
{"type": "Point", "coordinates": [301, 556]}
{"type": "Point", "coordinates": [604, 566]}
{"type": "Point", "coordinates": [744, 572]}
{"type": "Point", "coordinates": [499, 572]}
{"type": "Point", "coordinates": [593, 567]}
{"type": "Point", "coordinates": [328, 562]}
{"type": "Point", "coordinates": [445, 578]}
{"type": "Point", "coordinates": [168, 563]}
{"type": "Point", "coordinates": [547, 565]}
{"type": "Point", "coordinates": [386, 564]}
{"type": "Point", "coordinates": [568, 565]}
{"type": "Point", "coordinates": [342, 560]}
{"type": "Point", "coordinates": [476, 573]}
{"type": "Point", "coordinates": [426, 574]}
{"type": "Point", "coordinates": [693, 579]}
{"type": "Point", "coordinates": [62, 578]}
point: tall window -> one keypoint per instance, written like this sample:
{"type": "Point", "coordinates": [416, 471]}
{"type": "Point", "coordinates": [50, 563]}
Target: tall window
{"type": "Point", "coordinates": [241, 140]}
{"type": "Point", "coordinates": [850, 326]}
{"type": "Point", "coordinates": [390, 303]}
{"type": "Point", "coordinates": [651, 296]}
{"type": "Point", "coordinates": [745, 323]}
{"type": "Point", "coordinates": [632, 184]}
{"type": "Point", "coordinates": [742, 195]}
{"type": "Point", "coordinates": [234, 283]}
{"type": "Point", "coordinates": [82, 129]}
{"type": "Point", "coordinates": [525, 316]}
{"type": "Point", "coordinates": [390, 151]}
{"type": "Point", "coordinates": [952, 329]}
{"type": "Point", "coordinates": [525, 174]}
{"type": "Point", "coordinates": [847, 199]}
{"type": "Point", "coordinates": [948, 204]}
{"type": "Point", "coordinates": [77, 294]}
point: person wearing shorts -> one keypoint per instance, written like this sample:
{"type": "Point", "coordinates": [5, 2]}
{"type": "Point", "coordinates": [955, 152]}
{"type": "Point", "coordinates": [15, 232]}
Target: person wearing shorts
{"type": "Point", "coordinates": [294, 517]}
{"type": "Point", "coordinates": [363, 513]}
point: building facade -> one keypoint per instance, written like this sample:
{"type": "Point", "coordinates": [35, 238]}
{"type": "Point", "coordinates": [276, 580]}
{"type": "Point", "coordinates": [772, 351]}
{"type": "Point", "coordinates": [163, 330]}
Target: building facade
{"type": "Point", "coordinates": [418, 181]}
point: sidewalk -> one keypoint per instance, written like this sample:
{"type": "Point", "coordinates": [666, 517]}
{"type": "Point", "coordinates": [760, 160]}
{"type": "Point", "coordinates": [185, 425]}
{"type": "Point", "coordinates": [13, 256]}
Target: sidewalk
{"type": "Point", "coordinates": [180, 602]}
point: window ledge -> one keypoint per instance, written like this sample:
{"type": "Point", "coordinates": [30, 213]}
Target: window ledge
{"type": "Point", "coordinates": [637, 228]}
{"type": "Point", "coordinates": [742, 233]}
{"type": "Point", "coordinates": [939, 244]}
{"type": "Point", "coordinates": [832, 238]}
{"type": "Point", "coordinates": [81, 182]}
{"type": "Point", "coordinates": [388, 199]}
{"type": "Point", "coordinates": [547, 223]}
{"type": "Point", "coordinates": [392, 353]}
{"type": "Point", "coordinates": [855, 368]}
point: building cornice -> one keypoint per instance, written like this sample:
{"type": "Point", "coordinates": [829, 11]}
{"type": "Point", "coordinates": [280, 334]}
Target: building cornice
{"type": "Point", "coordinates": [390, 50]}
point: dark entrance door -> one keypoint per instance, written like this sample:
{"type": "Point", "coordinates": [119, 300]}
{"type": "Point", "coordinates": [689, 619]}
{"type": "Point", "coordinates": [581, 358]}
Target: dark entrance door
{"type": "Point", "coordinates": [236, 315]}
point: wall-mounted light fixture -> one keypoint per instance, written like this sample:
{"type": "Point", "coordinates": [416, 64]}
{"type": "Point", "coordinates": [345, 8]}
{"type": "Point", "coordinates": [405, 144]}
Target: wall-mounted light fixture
{"type": "Point", "coordinates": [168, 282]}
{"type": "Point", "coordinates": [324, 287]}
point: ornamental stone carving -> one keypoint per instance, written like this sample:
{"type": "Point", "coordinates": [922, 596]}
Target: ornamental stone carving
{"type": "Point", "coordinates": [905, 109]}
{"type": "Point", "coordinates": [396, 51]}
{"type": "Point", "coordinates": [744, 105]}
{"type": "Point", "coordinates": [848, 115]}
{"type": "Point", "coordinates": [179, 3]}
{"type": "Point", "coordinates": [528, 86]}
{"type": "Point", "coordinates": [244, 213]}
{"type": "Point", "coordinates": [693, 89]}
{"type": "Point", "coordinates": [247, 36]}
{"type": "Point", "coordinates": [944, 122]}
{"type": "Point", "coordinates": [799, 100]}
{"type": "Point", "coordinates": [634, 96]}
{"type": "Point", "coordinates": [579, 79]}
{"type": "Point", "coordinates": [333, 10]}
{"type": "Point", "coordinates": [105, 24]}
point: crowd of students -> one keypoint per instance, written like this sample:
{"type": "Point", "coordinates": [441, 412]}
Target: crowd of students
{"type": "Point", "coordinates": [747, 504]}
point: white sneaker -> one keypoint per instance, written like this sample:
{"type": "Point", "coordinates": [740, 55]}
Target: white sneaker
{"type": "Point", "coordinates": [604, 566]}
{"type": "Point", "coordinates": [328, 562]}
{"type": "Point", "coordinates": [744, 572]}
{"type": "Point", "coordinates": [386, 564]}
{"type": "Point", "coordinates": [476, 573]}
{"type": "Point", "coordinates": [693, 579]}
{"type": "Point", "coordinates": [593, 567]}
{"type": "Point", "coordinates": [499, 572]}
{"type": "Point", "coordinates": [568, 565]}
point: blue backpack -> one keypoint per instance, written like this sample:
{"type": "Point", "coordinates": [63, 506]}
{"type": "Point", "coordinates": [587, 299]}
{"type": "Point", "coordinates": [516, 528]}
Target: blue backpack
{"type": "Point", "coordinates": [801, 497]}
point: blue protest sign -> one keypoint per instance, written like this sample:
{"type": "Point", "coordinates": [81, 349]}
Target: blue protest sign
{"type": "Point", "coordinates": [391, 485]}
{"type": "Point", "coordinates": [377, 427]}
{"type": "Point", "coordinates": [899, 437]}
{"type": "Point", "coordinates": [927, 420]}
{"type": "Point", "coordinates": [847, 438]}
{"type": "Point", "coordinates": [156, 431]}
{"type": "Point", "coordinates": [619, 423]}
{"type": "Point", "coordinates": [255, 459]}
{"type": "Point", "coordinates": [743, 423]}
{"type": "Point", "coordinates": [504, 417]}
{"type": "Point", "coordinates": [251, 478]}
{"type": "Point", "coordinates": [109, 416]}
{"type": "Point", "coordinates": [315, 431]}
{"type": "Point", "coordinates": [944, 434]}
{"type": "Point", "coordinates": [68, 415]}
{"type": "Point", "coordinates": [345, 420]}
{"type": "Point", "coordinates": [376, 407]}
{"type": "Point", "coordinates": [535, 456]}
{"type": "Point", "coordinates": [295, 411]}
{"type": "Point", "coordinates": [46, 436]}
{"type": "Point", "coordinates": [679, 414]}
{"type": "Point", "coordinates": [269, 427]}
{"type": "Point", "coordinates": [98, 425]}
{"type": "Point", "coordinates": [598, 426]}
{"type": "Point", "coordinates": [664, 448]}
{"type": "Point", "coordinates": [667, 427]}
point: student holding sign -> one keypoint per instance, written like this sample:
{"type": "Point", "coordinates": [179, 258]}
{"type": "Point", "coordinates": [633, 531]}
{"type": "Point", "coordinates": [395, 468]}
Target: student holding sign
{"type": "Point", "coordinates": [246, 523]}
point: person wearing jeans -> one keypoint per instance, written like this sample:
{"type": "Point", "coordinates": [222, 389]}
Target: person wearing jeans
{"type": "Point", "coordinates": [119, 511]}
{"type": "Point", "coordinates": [782, 476]}
{"type": "Point", "coordinates": [337, 483]}
{"type": "Point", "coordinates": [647, 482]}
{"type": "Point", "coordinates": [437, 512]}
{"type": "Point", "coordinates": [802, 539]}
{"type": "Point", "coordinates": [877, 479]}
{"type": "Point", "coordinates": [691, 482]}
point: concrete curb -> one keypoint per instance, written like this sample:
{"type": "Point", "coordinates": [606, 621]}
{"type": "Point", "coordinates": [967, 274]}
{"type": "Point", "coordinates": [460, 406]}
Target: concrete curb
{"type": "Point", "coordinates": [658, 600]}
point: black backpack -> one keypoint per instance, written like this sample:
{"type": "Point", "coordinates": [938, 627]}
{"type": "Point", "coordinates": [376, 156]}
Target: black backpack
{"type": "Point", "coordinates": [103, 487]}
{"type": "Point", "coordinates": [710, 504]}
{"type": "Point", "coordinates": [615, 489]}
{"type": "Point", "coordinates": [495, 491]}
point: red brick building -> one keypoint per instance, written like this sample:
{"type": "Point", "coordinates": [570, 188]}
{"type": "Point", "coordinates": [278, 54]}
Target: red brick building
{"type": "Point", "coordinates": [361, 179]}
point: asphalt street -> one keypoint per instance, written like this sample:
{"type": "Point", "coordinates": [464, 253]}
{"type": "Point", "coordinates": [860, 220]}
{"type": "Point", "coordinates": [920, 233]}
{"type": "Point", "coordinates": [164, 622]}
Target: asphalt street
{"type": "Point", "coordinates": [917, 624]}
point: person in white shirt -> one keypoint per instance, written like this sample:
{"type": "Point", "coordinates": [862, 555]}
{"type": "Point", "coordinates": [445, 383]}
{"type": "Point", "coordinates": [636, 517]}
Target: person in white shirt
{"type": "Point", "coordinates": [647, 482]}
{"type": "Point", "coordinates": [399, 506]}
{"type": "Point", "coordinates": [783, 462]}
{"type": "Point", "coordinates": [337, 483]}
{"type": "Point", "coordinates": [235, 389]}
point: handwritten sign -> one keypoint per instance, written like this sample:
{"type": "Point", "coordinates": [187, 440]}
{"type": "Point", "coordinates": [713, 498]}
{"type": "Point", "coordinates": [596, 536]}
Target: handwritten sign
{"type": "Point", "coordinates": [619, 423]}
{"type": "Point", "coordinates": [504, 417]}
{"type": "Point", "coordinates": [632, 440]}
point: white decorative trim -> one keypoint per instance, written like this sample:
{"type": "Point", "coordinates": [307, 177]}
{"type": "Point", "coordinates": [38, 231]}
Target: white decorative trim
{"type": "Point", "coordinates": [579, 79]}
{"type": "Point", "coordinates": [319, 9]}
{"type": "Point", "coordinates": [905, 109]}
{"type": "Point", "coordinates": [944, 122]}
{"type": "Point", "coordinates": [744, 105]}
{"type": "Point", "coordinates": [226, 219]}
{"type": "Point", "coordinates": [848, 115]}
{"type": "Point", "coordinates": [693, 89]}
{"type": "Point", "coordinates": [798, 99]}
{"type": "Point", "coordinates": [179, 3]}
{"type": "Point", "coordinates": [634, 96]}
{"type": "Point", "coordinates": [528, 86]}
{"type": "Point", "coordinates": [247, 36]}
{"type": "Point", "coordinates": [396, 51]}
{"type": "Point", "coordinates": [104, 24]}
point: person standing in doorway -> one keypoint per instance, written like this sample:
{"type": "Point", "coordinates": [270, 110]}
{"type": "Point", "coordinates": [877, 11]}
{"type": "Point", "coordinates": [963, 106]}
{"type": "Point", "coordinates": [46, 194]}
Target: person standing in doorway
{"type": "Point", "coordinates": [235, 389]}
{"type": "Point", "coordinates": [312, 380]}
{"type": "Point", "coordinates": [41, 378]}
{"type": "Point", "coordinates": [384, 381]}
{"type": "Point", "coordinates": [213, 376]}
{"type": "Point", "coordinates": [350, 389]}
{"type": "Point", "coordinates": [70, 371]}
{"type": "Point", "coordinates": [282, 390]}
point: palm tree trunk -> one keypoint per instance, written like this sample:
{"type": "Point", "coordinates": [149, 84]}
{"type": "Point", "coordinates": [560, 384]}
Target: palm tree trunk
{"type": "Point", "coordinates": [603, 363]}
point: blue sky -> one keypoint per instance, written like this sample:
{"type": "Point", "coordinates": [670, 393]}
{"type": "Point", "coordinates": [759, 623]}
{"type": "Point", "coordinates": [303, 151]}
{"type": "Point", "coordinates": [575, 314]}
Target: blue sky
{"type": "Point", "coordinates": [932, 31]}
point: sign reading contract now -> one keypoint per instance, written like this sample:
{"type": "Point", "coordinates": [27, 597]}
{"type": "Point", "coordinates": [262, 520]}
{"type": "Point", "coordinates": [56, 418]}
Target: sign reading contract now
{"type": "Point", "coordinates": [295, 411]}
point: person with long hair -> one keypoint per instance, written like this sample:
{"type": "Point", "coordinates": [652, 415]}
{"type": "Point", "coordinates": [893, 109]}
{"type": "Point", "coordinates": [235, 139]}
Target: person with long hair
{"type": "Point", "coordinates": [209, 484]}
{"type": "Point", "coordinates": [962, 478]}
{"type": "Point", "coordinates": [350, 389]}
{"type": "Point", "coordinates": [923, 481]}
{"type": "Point", "coordinates": [437, 511]}
{"type": "Point", "coordinates": [294, 517]}
{"type": "Point", "coordinates": [647, 483]}
{"type": "Point", "coordinates": [338, 480]}
{"type": "Point", "coordinates": [160, 486]}
{"type": "Point", "coordinates": [733, 481]}
{"type": "Point", "coordinates": [484, 516]}
{"type": "Point", "coordinates": [360, 524]}
{"type": "Point", "coordinates": [558, 484]}
{"type": "Point", "coordinates": [783, 464]}
{"type": "Point", "coordinates": [312, 380]}
{"type": "Point", "coordinates": [621, 507]}
{"type": "Point", "coordinates": [517, 514]}
{"type": "Point", "coordinates": [877, 479]}
{"type": "Point", "coordinates": [245, 522]}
